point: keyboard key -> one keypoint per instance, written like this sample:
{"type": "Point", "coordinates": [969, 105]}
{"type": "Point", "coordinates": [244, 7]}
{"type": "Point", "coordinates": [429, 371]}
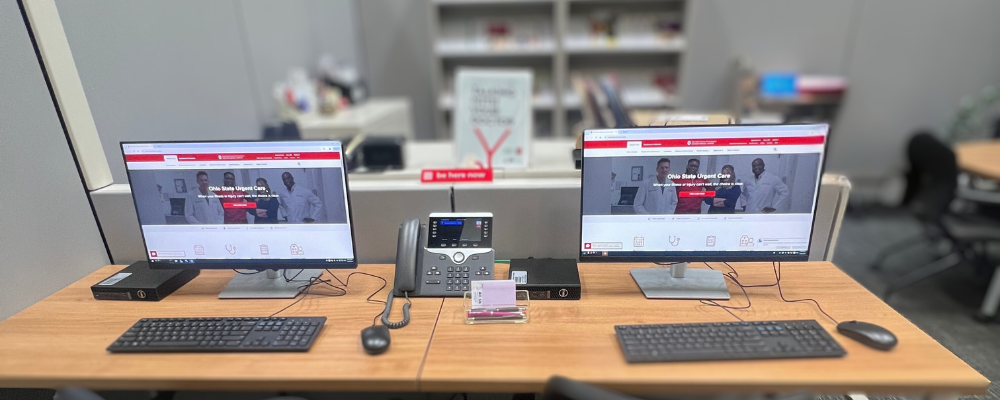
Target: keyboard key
{"type": "Point", "coordinates": [174, 343]}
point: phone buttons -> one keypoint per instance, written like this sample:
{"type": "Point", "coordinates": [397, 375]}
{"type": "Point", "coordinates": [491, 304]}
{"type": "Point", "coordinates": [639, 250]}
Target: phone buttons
{"type": "Point", "coordinates": [442, 257]}
{"type": "Point", "coordinates": [459, 257]}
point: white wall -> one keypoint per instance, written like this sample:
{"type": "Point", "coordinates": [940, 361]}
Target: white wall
{"type": "Point", "coordinates": [398, 50]}
{"type": "Point", "coordinates": [909, 70]}
{"type": "Point", "coordinates": [806, 35]}
{"type": "Point", "coordinates": [283, 34]}
{"type": "Point", "coordinates": [908, 63]}
{"type": "Point", "coordinates": [155, 70]}
{"type": "Point", "coordinates": [48, 237]}
{"type": "Point", "coordinates": [190, 69]}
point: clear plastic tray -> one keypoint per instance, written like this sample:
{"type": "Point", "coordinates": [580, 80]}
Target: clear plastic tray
{"type": "Point", "coordinates": [517, 314]}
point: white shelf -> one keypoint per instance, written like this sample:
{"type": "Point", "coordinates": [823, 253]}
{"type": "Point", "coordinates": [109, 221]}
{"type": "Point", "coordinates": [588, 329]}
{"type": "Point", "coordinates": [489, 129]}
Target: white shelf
{"type": "Point", "coordinates": [586, 46]}
{"type": "Point", "coordinates": [540, 102]}
{"type": "Point", "coordinates": [632, 99]}
{"type": "Point", "coordinates": [464, 50]}
{"type": "Point", "coordinates": [554, 36]}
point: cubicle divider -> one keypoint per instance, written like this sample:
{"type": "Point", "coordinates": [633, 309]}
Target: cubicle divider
{"type": "Point", "coordinates": [532, 217]}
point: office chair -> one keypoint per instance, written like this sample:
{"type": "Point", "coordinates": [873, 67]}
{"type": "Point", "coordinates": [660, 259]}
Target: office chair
{"type": "Point", "coordinates": [559, 388]}
{"type": "Point", "coordinates": [923, 155]}
{"type": "Point", "coordinates": [612, 91]}
{"type": "Point", "coordinates": [967, 233]}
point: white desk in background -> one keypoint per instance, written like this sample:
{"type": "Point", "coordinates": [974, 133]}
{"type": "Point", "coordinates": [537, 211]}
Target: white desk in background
{"type": "Point", "coordinates": [376, 116]}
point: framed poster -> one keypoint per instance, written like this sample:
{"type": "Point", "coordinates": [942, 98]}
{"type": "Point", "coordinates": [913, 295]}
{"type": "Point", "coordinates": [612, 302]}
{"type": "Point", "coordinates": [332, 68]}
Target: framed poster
{"type": "Point", "coordinates": [493, 121]}
{"type": "Point", "coordinates": [637, 173]}
{"type": "Point", "coordinates": [180, 186]}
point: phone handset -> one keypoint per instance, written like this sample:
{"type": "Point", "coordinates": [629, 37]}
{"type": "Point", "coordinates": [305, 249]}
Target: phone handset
{"type": "Point", "coordinates": [409, 246]}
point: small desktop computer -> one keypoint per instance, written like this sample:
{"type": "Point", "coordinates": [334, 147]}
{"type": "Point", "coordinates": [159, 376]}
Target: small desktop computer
{"type": "Point", "coordinates": [728, 193]}
{"type": "Point", "coordinates": [280, 208]}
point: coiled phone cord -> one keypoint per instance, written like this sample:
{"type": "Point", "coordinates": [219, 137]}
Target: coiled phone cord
{"type": "Point", "coordinates": [388, 309]}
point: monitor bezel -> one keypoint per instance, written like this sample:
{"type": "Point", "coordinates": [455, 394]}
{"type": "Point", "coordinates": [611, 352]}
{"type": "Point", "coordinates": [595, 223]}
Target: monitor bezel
{"type": "Point", "coordinates": [262, 264]}
{"type": "Point", "coordinates": [692, 257]}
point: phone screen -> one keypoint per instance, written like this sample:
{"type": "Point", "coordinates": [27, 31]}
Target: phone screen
{"type": "Point", "coordinates": [467, 232]}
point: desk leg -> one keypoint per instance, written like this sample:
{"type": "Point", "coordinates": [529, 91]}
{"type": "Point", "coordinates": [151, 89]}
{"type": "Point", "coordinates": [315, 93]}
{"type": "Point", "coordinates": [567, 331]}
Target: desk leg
{"type": "Point", "coordinates": [988, 310]}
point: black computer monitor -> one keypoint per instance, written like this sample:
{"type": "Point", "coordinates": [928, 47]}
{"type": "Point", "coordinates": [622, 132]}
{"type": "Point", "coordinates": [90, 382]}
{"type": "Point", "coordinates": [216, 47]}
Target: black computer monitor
{"type": "Point", "coordinates": [275, 206]}
{"type": "Point", "coordinates": [705, 193]}
{"type": "Point", "coordinates": [628, 195]}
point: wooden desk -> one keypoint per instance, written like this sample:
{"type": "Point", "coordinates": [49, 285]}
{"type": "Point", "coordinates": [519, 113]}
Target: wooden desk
{"type": "Point", "coordinates": [980, 158]}
{"type": "Point", "coordinates": [576, 339]}
{"type": "Point", "coordinates": [62, 339]}
{"type": "Point", "coordinates": [56, 343]}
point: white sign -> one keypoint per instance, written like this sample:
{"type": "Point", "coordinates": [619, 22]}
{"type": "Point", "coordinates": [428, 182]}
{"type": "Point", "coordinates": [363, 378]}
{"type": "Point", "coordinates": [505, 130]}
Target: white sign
{"type": "Point", "coordinates": [493, 120]}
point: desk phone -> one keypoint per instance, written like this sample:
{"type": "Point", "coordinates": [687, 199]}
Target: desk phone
{"type": "Point", "coordinates": [458, 251]}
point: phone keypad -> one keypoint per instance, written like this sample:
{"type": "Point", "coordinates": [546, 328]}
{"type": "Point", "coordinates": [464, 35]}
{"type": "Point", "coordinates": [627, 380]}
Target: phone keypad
{"type": "Point", "coordinates": [457, 277]}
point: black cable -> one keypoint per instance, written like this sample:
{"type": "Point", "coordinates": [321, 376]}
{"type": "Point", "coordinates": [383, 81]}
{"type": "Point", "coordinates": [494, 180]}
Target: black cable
{"type": "Point", "coordinates": [305, 289]}
{"type": "Point", "coordinates": [388, 309]}
{"type": "Point", "coordinates": [777, 273]}
{"type": "Point", "coordinates": [369, 298]}
{"type": "Point", "coordinates": [452, 197]}
{"type": "Point", "coordinates": [292, 279]}
{"type": "Point", "coordinates": [728, 308]}
{"type": "Point", "coordinates": [776, 266]}
{"type": "Point", "coordinates": [731, 267]}
{"type": "Point", "coordinates": [247, 273]}
{"type": "Point", "coordinates": [304, 294]}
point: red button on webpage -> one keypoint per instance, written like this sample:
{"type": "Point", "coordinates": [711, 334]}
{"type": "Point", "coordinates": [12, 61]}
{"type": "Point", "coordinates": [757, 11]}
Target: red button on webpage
{"type": "Point", "coordinates": [708, 193]}
{"type": "Point", "coordinates": [456, 175]}
{"type": "Point", "coordinates": [240, 205]}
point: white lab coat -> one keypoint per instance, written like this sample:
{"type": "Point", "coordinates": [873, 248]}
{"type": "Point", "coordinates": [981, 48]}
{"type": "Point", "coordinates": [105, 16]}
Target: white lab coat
{"type": "Point", "coordinates": [203, 211]}
{"type": "Point", "coordinates": [651, 199]}
{"type": "Point", "coordinates": [299, 203]}
{"type": "Point", "coordinates": [767, 190]}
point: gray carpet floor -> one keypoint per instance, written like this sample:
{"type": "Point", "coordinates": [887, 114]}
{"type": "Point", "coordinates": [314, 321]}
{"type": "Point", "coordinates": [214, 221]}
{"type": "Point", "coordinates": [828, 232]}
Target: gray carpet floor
{"type": "Point", "coordinates": [942, 306]}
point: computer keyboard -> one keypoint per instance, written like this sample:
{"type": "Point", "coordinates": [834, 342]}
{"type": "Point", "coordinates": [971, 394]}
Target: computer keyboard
{"type": "Point", "coordinates": [225, 334]}
{"type": "Point", "coordinates": [726, 341]}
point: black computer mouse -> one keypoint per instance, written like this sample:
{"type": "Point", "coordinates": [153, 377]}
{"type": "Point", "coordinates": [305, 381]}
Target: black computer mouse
{"type": "Point", "coordinates": [375, 339]}
{"type": "Point", "coordinates": [870, 335]}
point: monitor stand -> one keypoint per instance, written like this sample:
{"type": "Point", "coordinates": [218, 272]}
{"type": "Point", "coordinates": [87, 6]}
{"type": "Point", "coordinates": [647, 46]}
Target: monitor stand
{"type": "Point", "coordinates": [269, 284]}
{"type": "Point", "coordinates": [679, 282]}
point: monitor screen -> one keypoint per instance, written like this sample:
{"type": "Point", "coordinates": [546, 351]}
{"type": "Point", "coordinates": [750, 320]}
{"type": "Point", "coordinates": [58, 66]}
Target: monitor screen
{"type": "Point", "coordinates": [253, 205]}
{"type": "Point", "coordinates": [702, 193]}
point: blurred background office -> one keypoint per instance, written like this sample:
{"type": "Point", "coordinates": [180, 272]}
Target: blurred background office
{"type": "Point", "coordinates": [880, 71]}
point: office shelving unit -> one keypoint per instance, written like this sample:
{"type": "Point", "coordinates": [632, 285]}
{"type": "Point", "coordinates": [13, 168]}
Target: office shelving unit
{"type": "Point", "coordinates": [555, 40]}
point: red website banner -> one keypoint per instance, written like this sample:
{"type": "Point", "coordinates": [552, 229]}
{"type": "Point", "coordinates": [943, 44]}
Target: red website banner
{"type": "Point", "coordinates": [456, 175]}
{"type": "Point", "coordinates": [235, 156]}
{"type": "Point", "coordinates": [758, 141]}
{"type": "Point", "coordinates": [240, 205]}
